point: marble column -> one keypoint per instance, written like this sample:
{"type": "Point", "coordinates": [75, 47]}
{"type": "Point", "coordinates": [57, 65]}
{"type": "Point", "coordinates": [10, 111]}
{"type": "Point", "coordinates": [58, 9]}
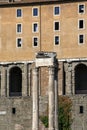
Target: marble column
{"type": "Point", "coordinates": [51, 98]}
{"type": "Point", "coordinates": [56, 99]}
{"type": "Point", "coordinates": [35, 96]}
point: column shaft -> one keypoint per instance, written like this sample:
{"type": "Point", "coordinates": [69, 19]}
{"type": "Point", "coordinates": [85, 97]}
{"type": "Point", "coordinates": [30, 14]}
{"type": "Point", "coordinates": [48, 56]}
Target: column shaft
{"type": "Point", "coordinates": [56, 101]}
{"type": "Point", "coordinates": [51, 98]}
{"type": "Point", "coordinates": [35, 95]}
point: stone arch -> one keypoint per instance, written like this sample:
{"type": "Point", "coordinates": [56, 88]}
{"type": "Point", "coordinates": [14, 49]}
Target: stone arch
{"type": "Point", "coordinates": [15, 81]}
{"type": "Point", "coordinates": [81, 79]}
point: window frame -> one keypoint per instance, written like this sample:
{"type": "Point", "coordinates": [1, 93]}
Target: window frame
{"type": "Point", "coordinates": [17, 13]}
{"type": "Point", "coordinates": [79, 24]}
{"type": "Point", "coordinates": [37, 11]}
{"type": "Point", "coordinates": [33, 27]}
{"type": "Point", "coordinates": [17, 42]}
{"type": "Point", "coordinates": [54, 26]}
{"type": "Point", "coordinates": [54, 10]}
{"type": "Point", "coordinates": [79, 10]}
{"type": "Point", "coordinates": [79, 39]}
{"type": "Point", "coordinates": [54, 40]}
{"type": "Point", "coordinates": [17, 28]}
{"type": "Point", "coordinates": [33, 41]}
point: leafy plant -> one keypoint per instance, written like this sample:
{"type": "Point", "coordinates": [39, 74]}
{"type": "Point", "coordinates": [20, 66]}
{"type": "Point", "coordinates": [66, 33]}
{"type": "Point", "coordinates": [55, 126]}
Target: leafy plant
{"type": "Point", "coordinates": [44, 120]}
{"type": "Point", "coordinates": [64, 114]}
{"type": "Point", "coordinates": [65, 118]}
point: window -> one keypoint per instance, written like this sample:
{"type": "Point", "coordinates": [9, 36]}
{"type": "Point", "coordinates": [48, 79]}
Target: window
{"type": "Point", "coordinates": [35, 41]}
{"type": "Point", "coordinates": [56, 40]}
{"type": "Point", "coordinates": [81, 24]}
{"type": "Point", "coordinates": [56, 26]}
{"type": "Point", "coordinates": [35, 11]}
{"type": "Point", "coordinates": [35, 27]}
{"type": "Point", "coordinates": [19, 28]}
{"type": "Point", "coordinates": [13, 110]}
{"type": "Point", "coordinates": [19, 42]}
{"type": "Point", "coordinates": [81, 8]}
{"type": "Point", "coordinates": [19, 13]}
{"type": "Point", "coordinates": [81, 39]}
{"type": "Point", "coordinates": [81, 109]}
{"type": "Point", "coordinates": [56, 10]}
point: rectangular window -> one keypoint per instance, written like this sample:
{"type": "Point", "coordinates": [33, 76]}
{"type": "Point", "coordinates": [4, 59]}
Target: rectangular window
{"type": "Point", "coordinates": [35, 27]}
{"type": "Point", "coordinates": [35, 41]}
{"type": "Point", "coordinates": [56, 40]}
{"type": "Point", "coordinates": [35, 11]}
{"type": "Point", "coordinates": [13, 110]}
{"type": "Point", "coordinates": [81, 109]}
{"type": "Point", "coordinates": [19, 42]}
{"type": "Point", "coordinates": [81, 24]}
{"type": "Point", "coordinates": [19, 28]}
{"type": "Point", "coordinates": [56, 26]}
{"type": "Point", "coordinates": [19, 13]}
{"type": "Point", "coordinates": [56, 10]}
{"type": "Point", "coordinates": [81, 8]}
{"type": "Point", "coordinates": [81, 39]}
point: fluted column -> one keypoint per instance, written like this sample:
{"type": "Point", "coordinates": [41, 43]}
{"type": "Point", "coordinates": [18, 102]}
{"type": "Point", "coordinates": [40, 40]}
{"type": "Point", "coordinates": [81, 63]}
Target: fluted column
{"type": "Point", "coordinates": [35, 96]}
{"type": "Point", "coordinates": [51, 98]}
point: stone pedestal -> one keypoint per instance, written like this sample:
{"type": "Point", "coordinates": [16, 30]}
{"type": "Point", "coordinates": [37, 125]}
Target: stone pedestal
{"type": "Point", "coordinates": [35, 95]}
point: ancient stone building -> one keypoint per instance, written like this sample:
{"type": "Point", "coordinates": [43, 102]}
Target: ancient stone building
{"type": "Point", "coordinates": [31, 26]}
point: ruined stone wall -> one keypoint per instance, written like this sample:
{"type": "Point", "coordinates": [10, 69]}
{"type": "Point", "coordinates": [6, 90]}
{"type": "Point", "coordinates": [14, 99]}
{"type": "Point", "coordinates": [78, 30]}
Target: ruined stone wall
{"type": "Point", "coordinates": [21, 119]}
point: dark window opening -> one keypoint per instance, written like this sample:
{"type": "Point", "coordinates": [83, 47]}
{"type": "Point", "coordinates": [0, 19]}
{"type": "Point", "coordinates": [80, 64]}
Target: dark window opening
{"type": "Point", "coordinates": [19, 28]}
{"type": "Point", "coordinates": [56, 26]}
{"type": "Point", "coordinates": [19, 42]}
{"type": "Point", "coordinates": [81, 38]}
{"type": "Point", "coordinates": [81, 8]}
{"type": "Point", "coordinates": [19, 13]}
{"type": "Point", "coordinates": [56, 10]}
{"type": "Point", "coordinates": [81, 25]}
{"type": "Point", "coordinates": [13, 110]}
{"type": "Point", "coordinates": [15, 82]}
{"type": "Point", "coordinates": [35, 41]}
{"type": "Point", "coordinates": [81, 79]}
{"type": "Point", "coordinates": [81, 110]}
{"type": "Point", "coordinates": [35, 12]}
{"type": "Point", "coordinates": [56, 40]}
{"type": "Point", "coordinates": [35, 28]}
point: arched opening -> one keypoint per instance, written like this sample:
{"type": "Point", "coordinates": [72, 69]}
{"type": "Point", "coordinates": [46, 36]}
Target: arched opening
{"type": "Point", "coordinates": [15, 82]}
{"type": "Point", "coordinates": [81, 79]}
